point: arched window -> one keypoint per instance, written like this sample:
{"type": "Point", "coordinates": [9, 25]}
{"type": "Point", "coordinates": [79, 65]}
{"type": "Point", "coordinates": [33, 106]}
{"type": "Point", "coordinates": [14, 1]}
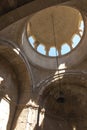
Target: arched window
{"type": "Point", "coordinates": [65, 49]}
{"type": "Point", "coordinates": [53, 51]}
{"type": "Point", "coordinates": [31, 40]}
{"type": "Point", "coordinates": [81, 27]}
{"type": "Point", "coordinates": [75, 40]}
{"type": "Point", "coordinates": [41, 49]}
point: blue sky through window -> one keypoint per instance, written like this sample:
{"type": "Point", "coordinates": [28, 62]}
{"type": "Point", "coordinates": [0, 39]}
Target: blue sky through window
{"type": "Point", "coordinates": [41, 50]}
{"type": "Point", "coordinates": [65, 49]}
{"type": "Point", "coordinates": [75, 40]}
{"type": "Point", "coordinates": [52, 51]}
{"type": "Point", "coordinates": [31, 40]}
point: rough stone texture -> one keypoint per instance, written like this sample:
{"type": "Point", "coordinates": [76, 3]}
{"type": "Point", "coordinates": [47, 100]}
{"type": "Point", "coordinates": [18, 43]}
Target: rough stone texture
{"type": "Point", "coordinates": [22, 75]}
{"type": "Point", "coordinates": [26, 10]}
{"type": "Point", "coordinates": [29, 75]}
{"type": "Point", "coordinates": [14, 31]}
{"type": "Point", "coordinates": [8, 90]}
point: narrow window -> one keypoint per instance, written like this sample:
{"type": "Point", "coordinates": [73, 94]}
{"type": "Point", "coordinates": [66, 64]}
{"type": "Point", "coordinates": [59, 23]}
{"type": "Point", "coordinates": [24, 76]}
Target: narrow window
{"type": "Point", "coordinates": [41, 49]}
{"type": "Point", "coordinates": [65, 49]}
{"type": "Point", "coordinates": [53, 51]}
{"type": "Point", "coordinates": [31, 40]}
{"type": "Point", "coordinates": [75, 40]}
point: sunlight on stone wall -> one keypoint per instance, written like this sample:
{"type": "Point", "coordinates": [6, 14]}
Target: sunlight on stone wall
{"type": "Point", "coordinates": [74, 127]}
{"type": "Point", "coordinates": [32, 118]}
{"type": "Point", "coordinates": [41, 116]}
{"type": "Point", "coordinates": [4, 114]}
{"type": "Point", "coordinates": [33, 114]}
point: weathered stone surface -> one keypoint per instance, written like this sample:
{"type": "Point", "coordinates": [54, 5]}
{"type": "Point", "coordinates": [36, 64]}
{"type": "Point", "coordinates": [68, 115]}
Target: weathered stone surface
{"type": "Point", "coordinates": [32, 84]}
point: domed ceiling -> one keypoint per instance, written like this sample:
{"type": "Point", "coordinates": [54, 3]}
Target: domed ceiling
{"type": "Point", "coordinates": [66, 99]}
{"type": "Point", "coordinates": [66, 104]}
{"type": "Point", "coordinates": [59, 28]}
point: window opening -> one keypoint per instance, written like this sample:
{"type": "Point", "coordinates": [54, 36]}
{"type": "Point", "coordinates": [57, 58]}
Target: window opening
{"type": "Point", "coordinates": [52, 51]}
{"type": "Point", "coordinates": [75, 40]}
{"type": "Point", "coordinates": [65, 49]}
{"type": "Point", "coordinates": [31, 40]}
{"type": "Point", "coordinates": [41, 49]}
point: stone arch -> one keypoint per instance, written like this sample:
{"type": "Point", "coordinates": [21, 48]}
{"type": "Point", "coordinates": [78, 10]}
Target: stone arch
{"type": "Point", "coordinates": [72, 88]}
{"type": "Point", "coordinates": [20, 65]}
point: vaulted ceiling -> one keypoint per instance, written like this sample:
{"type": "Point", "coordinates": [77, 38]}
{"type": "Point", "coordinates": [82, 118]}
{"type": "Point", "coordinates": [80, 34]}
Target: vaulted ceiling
{"type": "Point", "coordinates": [8, 5]}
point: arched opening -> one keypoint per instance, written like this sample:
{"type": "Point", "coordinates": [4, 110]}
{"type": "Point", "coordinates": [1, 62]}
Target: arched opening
{"type": "Point", "coordinates": [41, 49]}
{"type": "Point", "coordinates": [75, 40]}
{"type": "Point", "coordinates": [31, 40]}
{"type": "Point", "coordinates": [65, 49]}
{"type": "Point", "coordinates": [53, 52]}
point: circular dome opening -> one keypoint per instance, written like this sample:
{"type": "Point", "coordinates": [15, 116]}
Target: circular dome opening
{"type": "Point", "coordinates": [56, 30]}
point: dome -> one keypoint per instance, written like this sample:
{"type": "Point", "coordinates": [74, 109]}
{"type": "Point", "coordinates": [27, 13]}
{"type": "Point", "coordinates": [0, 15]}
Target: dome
{"type": "Point", "coordinates": [56, 30]}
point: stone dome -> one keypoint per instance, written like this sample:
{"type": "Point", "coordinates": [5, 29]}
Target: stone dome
{"type": "Point", "coordinates": [56, 27]}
